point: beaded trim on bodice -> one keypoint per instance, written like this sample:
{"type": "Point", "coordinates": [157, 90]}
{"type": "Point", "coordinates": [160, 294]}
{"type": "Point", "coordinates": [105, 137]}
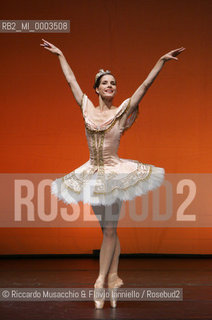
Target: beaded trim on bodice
{"type": "Point", "coordinates": [112, 180]}
{"type": "Point", "coordinates": [98, 135]}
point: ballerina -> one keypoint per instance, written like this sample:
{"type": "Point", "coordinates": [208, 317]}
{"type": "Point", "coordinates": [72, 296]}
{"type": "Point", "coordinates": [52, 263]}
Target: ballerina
{"type": "Point", "coordinates": [114, 179]}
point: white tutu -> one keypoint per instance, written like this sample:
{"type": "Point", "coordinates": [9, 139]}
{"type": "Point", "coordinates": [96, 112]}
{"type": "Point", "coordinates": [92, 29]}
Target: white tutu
{"type": "Point", "coordinates": [105, 177]}
{"type": "Point", "coordinates": [94, 189]}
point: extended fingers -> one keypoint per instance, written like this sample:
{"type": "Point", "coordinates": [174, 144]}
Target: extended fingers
{"type": "Point", "coordinates": [46, 41]}
{"type": "Point", "coordinates": [48, 48]}
{"type": "Point", "coordinates": [47, 44]}
{"type": "Point", "coordinates": [179, 50]}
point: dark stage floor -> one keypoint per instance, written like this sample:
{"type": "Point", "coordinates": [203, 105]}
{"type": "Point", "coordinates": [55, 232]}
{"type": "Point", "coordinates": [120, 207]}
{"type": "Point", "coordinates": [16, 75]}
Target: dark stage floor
{"type": "Point", "coordinates": [192, 274]}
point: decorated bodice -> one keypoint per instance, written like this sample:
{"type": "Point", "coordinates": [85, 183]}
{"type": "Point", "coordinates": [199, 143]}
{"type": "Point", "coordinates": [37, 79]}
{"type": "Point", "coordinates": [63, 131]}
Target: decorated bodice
{"type": "Point", "coordinates": [103, 137]}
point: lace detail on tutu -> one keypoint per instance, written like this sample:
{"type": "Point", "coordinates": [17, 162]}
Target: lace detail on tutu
{"type": "Point", "coordinates": [122, 181]}
{"type": "Point", "coordinates": [106, 182]}
{"type": "Point", "coordinates": [75, 181]}
{"type": "Point", "coordinates": [75, 189]}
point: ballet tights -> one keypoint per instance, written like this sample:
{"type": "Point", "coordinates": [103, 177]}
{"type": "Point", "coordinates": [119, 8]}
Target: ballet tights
{"type": "Point", "coordinates": [110, 248]}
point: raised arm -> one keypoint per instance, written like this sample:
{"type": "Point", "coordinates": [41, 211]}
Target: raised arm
{"type": "Point", "coordinates": [140, 92]}
{"type": "Point", "coordinates": [69, 75]}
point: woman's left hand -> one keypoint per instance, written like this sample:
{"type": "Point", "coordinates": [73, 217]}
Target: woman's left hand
{"type": "Point", "coordinates": [172, 54]}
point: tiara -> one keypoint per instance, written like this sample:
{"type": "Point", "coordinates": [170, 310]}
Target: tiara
{"type": "Point", "coordinates": [100, 73]}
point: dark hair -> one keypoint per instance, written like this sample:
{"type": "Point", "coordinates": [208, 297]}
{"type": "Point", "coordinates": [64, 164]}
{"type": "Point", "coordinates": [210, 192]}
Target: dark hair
{"type": "Point", "coordinates": [97, 83]}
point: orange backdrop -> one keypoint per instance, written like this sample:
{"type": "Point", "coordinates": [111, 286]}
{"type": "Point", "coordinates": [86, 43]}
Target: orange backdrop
{"type": "Point", "coordinates": [42, 130]}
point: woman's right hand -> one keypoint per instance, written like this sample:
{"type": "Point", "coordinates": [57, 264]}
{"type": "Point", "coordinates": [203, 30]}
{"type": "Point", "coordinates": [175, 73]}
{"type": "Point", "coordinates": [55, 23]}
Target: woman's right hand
{"type": "Point", "coordinates": [49, 46]}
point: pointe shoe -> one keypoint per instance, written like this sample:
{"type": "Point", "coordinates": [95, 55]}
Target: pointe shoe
{"type": "Point", "coordinates": [113, 300]}
{"type": "Point", "coordinates": [114, 282]}
{"type": "Point", "coordinates": [99, 302]}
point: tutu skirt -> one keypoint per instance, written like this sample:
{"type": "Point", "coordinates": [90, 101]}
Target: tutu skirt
{"type": "Point", "coordinates": [90, 186]}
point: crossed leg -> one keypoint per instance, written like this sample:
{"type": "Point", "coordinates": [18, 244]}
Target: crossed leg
{"type": "Point", "coordinates": [110, 249]}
